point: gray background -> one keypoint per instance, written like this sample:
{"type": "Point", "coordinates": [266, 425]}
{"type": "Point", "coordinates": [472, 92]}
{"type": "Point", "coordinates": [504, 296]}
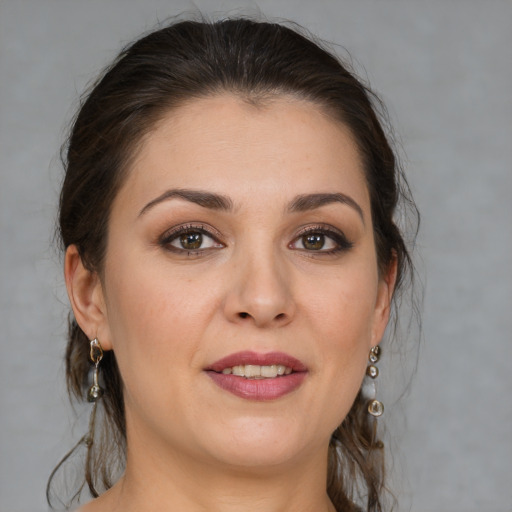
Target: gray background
{"type": "Point", "coordinates": [444, 68]}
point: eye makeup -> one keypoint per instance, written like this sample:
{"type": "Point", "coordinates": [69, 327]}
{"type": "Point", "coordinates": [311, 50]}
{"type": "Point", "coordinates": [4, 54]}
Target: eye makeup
{"type": "Point", "coordinates": [196, 239]}
{"type": "Point", "coordinates": [321, 240]}
{"type": "Point", "coordinates": [190, 239]}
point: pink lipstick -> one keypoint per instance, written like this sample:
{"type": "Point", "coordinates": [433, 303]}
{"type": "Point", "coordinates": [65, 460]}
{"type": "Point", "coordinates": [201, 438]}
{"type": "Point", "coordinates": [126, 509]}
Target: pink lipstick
{"type": "Point", "coordinates": [256, 376]}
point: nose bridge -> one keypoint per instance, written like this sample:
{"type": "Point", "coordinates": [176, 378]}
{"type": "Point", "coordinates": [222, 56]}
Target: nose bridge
{"type": "Point", "coordinates": [261, 287]}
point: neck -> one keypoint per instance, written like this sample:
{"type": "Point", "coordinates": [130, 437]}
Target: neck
{"type": "Point", "coordinates": [156, 479]}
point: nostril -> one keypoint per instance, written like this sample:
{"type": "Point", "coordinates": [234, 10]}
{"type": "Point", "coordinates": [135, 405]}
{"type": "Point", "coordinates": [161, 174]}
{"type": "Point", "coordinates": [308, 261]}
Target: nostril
{"type": "Point", "coordinates": [280, 316]}
{"type": "Point", "coordinates": [243, 315]}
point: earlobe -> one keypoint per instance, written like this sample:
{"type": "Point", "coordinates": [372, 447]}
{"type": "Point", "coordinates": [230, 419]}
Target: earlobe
{"type": "Point", "coordinates": [86, 296]}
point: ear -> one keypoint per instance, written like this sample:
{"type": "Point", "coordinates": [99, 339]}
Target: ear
{"type": "Point", "coordinates": [385, 290]}
{"type": "Point", "coordinates": [85, 293]}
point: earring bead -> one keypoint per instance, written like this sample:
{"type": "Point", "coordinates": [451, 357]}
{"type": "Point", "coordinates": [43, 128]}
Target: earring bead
{"type": "Point", "coordinates": [375, 408]}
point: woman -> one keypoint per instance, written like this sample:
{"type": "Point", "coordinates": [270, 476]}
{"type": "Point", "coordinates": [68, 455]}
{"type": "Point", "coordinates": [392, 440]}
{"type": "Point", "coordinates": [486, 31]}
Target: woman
{"type": "Point", "coordinates": [231, 260]}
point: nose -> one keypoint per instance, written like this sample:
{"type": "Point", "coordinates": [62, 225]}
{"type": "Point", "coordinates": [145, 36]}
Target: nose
{"type": "Point", "coordinates": [260, 292]}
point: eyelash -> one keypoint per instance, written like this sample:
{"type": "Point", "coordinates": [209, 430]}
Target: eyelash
{"type": "Point", "coordinates": [173, 234]}
{"type": "Point", "coordinates": [338, 237]}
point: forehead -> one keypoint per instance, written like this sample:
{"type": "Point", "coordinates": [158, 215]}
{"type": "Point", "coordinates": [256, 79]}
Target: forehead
{"type": "Point", "coordinates": [227, 145]}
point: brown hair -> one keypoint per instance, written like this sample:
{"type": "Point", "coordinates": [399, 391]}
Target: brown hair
{"type": "Point", "coordinates": [192, 59]}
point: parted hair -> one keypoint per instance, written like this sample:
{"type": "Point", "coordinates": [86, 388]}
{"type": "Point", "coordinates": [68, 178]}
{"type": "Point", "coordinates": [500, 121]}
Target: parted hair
{"type": "Point", "coordinates": [193, 59]}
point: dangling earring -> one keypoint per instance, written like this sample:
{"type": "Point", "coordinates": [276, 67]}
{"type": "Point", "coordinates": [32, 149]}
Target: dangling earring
{"type": "Point", "coordinates": [96, 354]}
{"type": "Point", "coordinates": [375, 407]}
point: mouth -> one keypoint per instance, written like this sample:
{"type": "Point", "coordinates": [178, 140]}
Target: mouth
{"type": "Point", "coordinates": [253, 371]}
{"type": "Point", "coordinates": [255, 376]}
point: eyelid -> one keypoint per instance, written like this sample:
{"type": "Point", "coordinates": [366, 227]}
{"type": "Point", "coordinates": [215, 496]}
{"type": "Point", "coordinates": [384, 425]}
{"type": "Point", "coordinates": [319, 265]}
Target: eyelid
{"type": "Point", "coordinates": [172, 233]}
{"type": "Point", "coordinates": [335, 234]}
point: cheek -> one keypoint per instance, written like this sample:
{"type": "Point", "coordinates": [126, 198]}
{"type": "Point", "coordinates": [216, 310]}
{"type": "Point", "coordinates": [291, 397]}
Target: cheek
{"type": "Point", "coordinates": [342, 313]}
{"type": "Point", "coordinates": [343, 308]}
{"type": "Point", "coordinates": [146, 304]}
{"type": "Point", "coordinates": [346, 339]}
{"type": "Point", "coordinates": [153, 324]}
{"type": "Point", "coordinates": [158, 318]}
{"type": "Point", "coordinates": [155, 332]}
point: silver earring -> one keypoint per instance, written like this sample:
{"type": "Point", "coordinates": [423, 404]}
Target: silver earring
{"type": "Point", "coordinates": [375, 407]}
{"type": "Point", "coordinates": [96, 354]}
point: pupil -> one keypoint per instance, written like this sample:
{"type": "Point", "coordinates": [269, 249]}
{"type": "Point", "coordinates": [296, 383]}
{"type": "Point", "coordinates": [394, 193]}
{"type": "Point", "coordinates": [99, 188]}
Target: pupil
{"type": "Point", "coordinates": [313, 242]}
{"type": "Point", "coordinates": [191, 241]}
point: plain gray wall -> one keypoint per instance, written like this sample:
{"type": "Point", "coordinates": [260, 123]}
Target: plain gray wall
{"type": "Point", "coordinates": [444, 68]}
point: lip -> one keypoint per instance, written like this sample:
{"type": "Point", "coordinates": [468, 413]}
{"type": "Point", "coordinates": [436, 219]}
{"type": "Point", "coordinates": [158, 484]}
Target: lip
{"type": "Point", "coordinates": [248, 357]}
{"type": "Point", "coordinates": [258, 389]}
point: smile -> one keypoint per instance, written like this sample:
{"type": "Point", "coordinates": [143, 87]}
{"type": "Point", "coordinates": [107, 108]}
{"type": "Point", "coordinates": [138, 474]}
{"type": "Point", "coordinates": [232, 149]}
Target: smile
{"type": "Point", "coordinates": [252, 371]}
{"type": "Point", "coordinates": [259, 377]}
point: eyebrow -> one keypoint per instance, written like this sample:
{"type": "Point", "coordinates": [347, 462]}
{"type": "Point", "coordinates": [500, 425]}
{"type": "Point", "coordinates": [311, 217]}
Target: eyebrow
{"type": "Point", "coordinates": [301, 203]}
{"type": "Point", "coordinates": [200, 197]}
{"type": "Point", "coordinates": [307, 202]}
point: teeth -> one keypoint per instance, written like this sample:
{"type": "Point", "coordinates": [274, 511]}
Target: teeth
{"type": "Point", "coordinates": [269, 371]}
{"type": "Point", "coordinates": [253, 371]}
{"type": "Point", "coordinates": [238, 370]}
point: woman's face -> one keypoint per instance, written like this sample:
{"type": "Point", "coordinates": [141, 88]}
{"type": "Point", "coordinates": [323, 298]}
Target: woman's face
{"type": "Point", "coordinates": [242, 243]}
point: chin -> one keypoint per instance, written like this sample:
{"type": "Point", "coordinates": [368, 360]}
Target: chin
{"type": "Point", "coordinates": [258, 443]}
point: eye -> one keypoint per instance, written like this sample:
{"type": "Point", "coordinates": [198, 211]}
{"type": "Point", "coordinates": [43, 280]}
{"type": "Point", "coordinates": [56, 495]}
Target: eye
{"type": "Point", "coordinates": [315, 242]}
{"type": "Point", "coordinates": [322, 240]}
{"type": "Point", "coordinates": [190, 239]}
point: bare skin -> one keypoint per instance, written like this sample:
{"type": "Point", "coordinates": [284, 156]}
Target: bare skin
{"type": "Point", "coordinates": [282, 259]}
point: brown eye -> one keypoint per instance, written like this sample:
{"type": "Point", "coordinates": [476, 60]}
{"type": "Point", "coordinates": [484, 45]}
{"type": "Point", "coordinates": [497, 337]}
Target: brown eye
{"type": "Point", "coordinates": [313, 241]}
{"type": "Point", "coordinates": [321, 240]}
{"type": "Point", "coordinates": [191, 241]}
